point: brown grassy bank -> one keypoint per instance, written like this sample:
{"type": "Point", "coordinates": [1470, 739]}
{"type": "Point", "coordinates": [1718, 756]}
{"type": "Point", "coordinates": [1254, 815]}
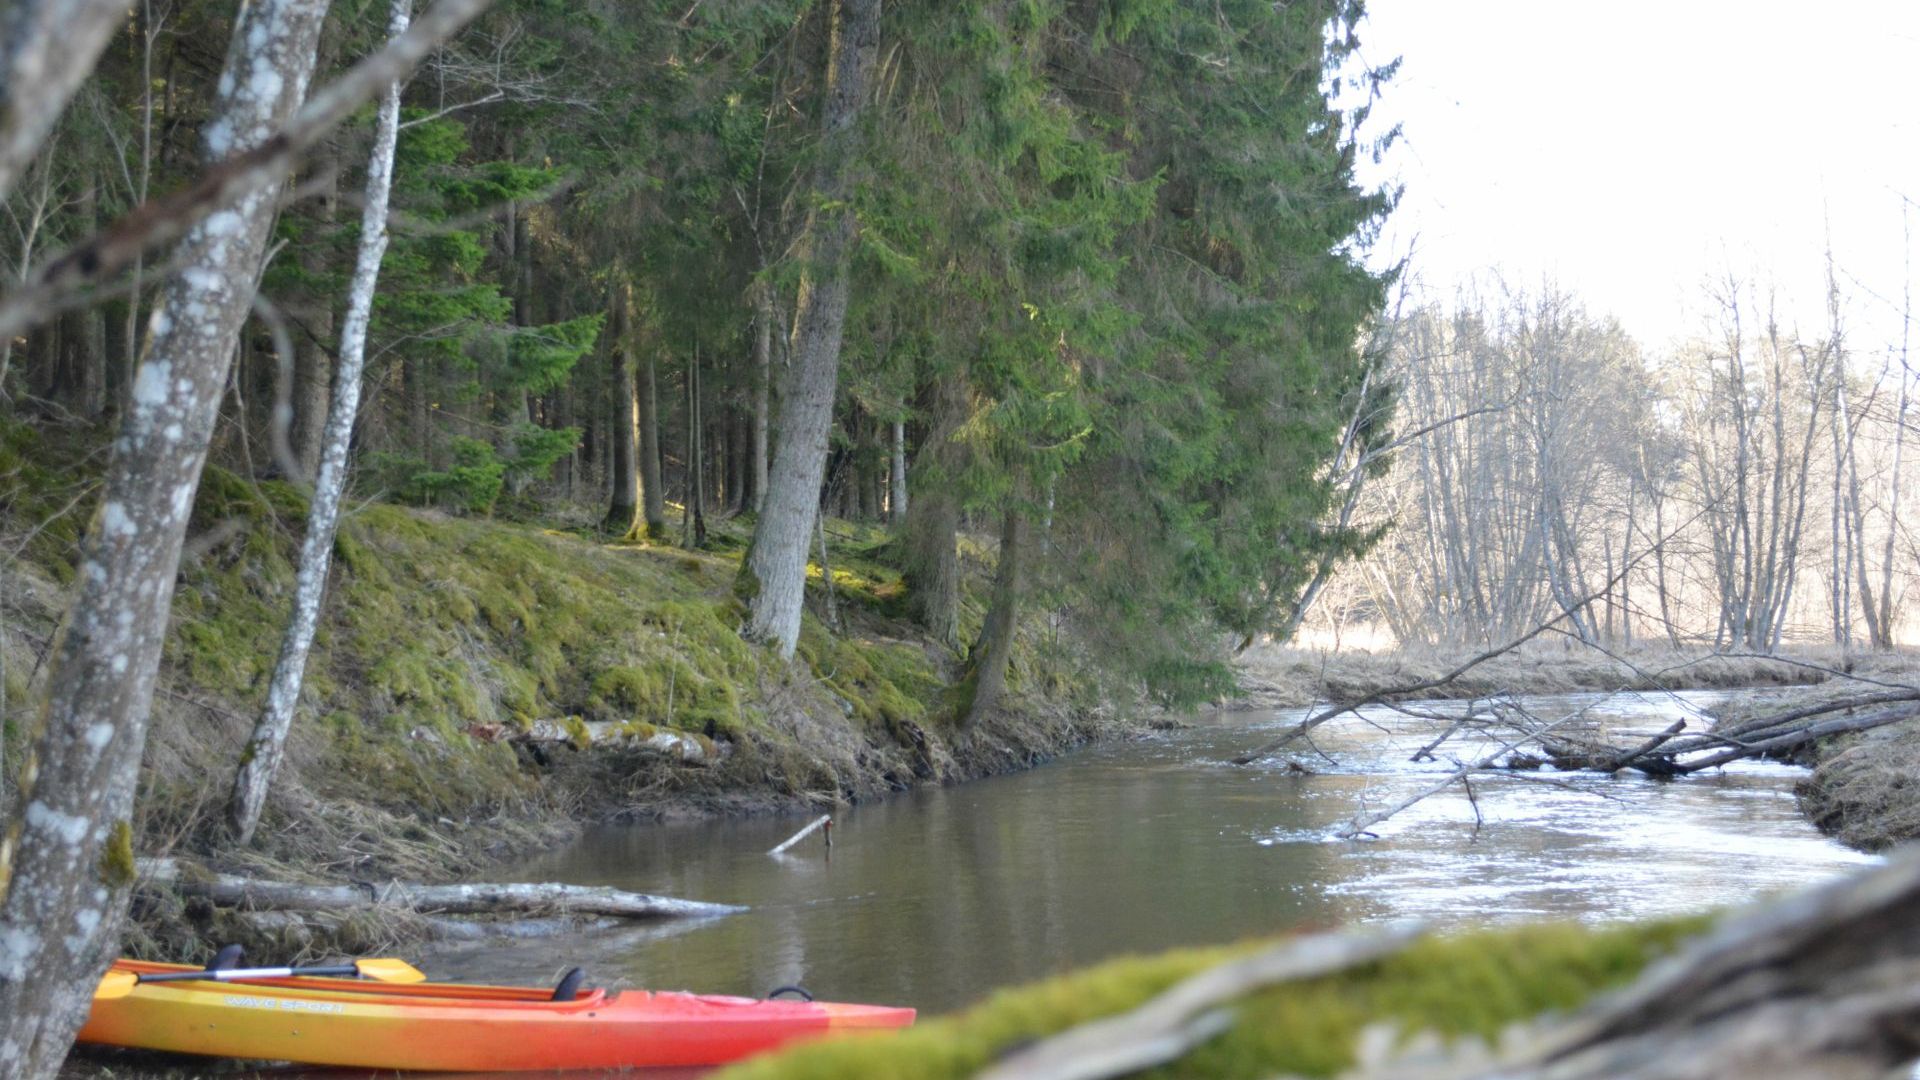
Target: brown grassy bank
{"type": "Point", "coordinates": [1279, 677]}
{"type": "Point", "coordinates": [1865, 788]}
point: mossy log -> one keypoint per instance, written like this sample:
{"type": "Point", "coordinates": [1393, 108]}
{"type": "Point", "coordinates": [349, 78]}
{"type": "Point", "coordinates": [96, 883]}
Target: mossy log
{"type": "Point", "coordinates": [230, 890]}
{"type": "Point", "coordinates": [688, 748]}
{"type": "Point", "coordinates": [1818, 984]}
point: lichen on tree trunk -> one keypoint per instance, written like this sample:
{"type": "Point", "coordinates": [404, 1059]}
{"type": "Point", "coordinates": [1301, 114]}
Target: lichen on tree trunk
{"type": "Point", "coordinates": [267, 746]}
{"type": "Point", "coordinates": [66, 861]}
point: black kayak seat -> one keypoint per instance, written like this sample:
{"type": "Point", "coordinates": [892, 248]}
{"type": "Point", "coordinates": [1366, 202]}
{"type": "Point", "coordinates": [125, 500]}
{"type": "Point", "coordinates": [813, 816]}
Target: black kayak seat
{"type": "Point", "coordinates": [569, 987]}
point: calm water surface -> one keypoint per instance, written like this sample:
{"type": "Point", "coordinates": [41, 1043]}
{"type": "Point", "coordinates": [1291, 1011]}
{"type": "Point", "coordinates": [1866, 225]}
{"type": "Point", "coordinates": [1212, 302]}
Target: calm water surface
{"type": "Point", "coordinates": [936, 897]}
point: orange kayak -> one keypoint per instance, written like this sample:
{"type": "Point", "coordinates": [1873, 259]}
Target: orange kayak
{"type": "Point", "coordinates": [457, 1027]}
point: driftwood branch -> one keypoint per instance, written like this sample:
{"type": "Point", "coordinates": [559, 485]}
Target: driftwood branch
{"type": "Point", "coordinates": [230, 890]}
{"type": "Point", "coordinates": [824, 821]}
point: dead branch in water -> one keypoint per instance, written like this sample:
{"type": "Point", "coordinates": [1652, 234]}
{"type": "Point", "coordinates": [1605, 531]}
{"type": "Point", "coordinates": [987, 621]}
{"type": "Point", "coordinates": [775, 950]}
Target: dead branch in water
{"type": "Point", "coordinates": [824, 821]}
{"type": "Point", "coordinates": [1363, 824]}
{"type": "Point", "coordinates": [230, 890]}
{"type": "Point", "coordinates": [1511, 726]}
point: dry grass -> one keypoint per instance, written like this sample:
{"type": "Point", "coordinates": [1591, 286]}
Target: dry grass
{"type": "Point", "coordinates": [1279, 677]}
{"type": "Point", "coordinates": [1865, 788]}
{"type": "Point", "coordinates": [1866, 793]}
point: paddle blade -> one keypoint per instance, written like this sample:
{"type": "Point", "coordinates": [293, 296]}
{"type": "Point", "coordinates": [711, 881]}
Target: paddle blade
{"type": "Point", "coordinates": [115, 984]}
{"type": "Point", "coordinates": [393, 971]}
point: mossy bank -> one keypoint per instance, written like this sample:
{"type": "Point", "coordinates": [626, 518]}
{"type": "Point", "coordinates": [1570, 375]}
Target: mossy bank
{"type": "Point", "coordinates": [452, 649]}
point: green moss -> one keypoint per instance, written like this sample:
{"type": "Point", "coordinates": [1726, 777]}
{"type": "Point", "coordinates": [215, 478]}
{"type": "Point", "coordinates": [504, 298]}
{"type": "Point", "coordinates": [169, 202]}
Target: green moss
{"type": "Point", "coordinates": [1471, 985]}
{"type": "Point", "coordinates": [437, 628]}
{"type": "Point", "coordinates": [885, 682]}
{"type": "Point", "coordinates": [41, 491]}
{"type": "Point", "coordinates": [117, 868]}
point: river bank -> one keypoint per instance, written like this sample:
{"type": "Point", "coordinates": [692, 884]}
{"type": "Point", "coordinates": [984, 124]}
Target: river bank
{"type": "Point", "coordinates": [483, 689]}
{"type": "Point", "coordinates": [1279, 677]}
{"type": "Point", "coordinates": [480, 689]}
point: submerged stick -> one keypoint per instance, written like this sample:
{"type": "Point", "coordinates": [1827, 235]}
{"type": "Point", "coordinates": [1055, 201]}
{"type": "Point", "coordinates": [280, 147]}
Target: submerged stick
{"type": "Point", "coordinates": [824, 821]}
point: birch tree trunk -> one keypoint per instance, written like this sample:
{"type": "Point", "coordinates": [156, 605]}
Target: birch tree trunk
{"type": "Point", "coordinates": [775, 570]}
{"type": "Point", "coordinates": [267, 747]}
{"type": "Point", "coordinates": [67, 861]}
{"type": "Point", "coordinates": [47, 49]}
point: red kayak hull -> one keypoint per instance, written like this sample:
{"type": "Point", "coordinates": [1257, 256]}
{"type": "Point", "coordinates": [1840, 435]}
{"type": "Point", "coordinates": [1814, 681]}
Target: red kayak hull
{"type": "Point", "coordinates": [458, 1028]}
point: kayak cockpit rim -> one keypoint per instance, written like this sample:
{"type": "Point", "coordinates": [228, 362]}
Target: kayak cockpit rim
{"type": "Point", "coordinates": [320, 989]}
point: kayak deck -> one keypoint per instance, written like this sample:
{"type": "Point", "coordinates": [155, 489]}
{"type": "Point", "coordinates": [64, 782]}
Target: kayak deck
{"type": "Point", "coordinates": [457, 1027]}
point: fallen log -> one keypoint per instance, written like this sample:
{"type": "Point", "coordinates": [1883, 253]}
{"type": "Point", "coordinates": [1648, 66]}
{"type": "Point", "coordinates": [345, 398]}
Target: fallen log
{"type": "Point", "coordinates": [1763, 727]}
{"type": "Point", "coordinates": [1662, 753]}
{"type": "Point", "coordinates": [676, 744]}
{"type": "Point", "coordinates": [1801, 736]}
{"type": "Point", "coordinates": [1190, 1013]}
{"type": "Point", "coordinates": [1634, 755]}
{"type": "Point", "coordinates": [1817, 984]}
{"type": "Point", "coordinates": [231, 890]}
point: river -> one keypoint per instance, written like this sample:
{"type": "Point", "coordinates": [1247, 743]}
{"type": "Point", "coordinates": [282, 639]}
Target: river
{"type": "Point", "coordinates": [937, 897]}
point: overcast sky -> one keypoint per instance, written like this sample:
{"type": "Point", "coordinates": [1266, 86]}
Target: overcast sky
{"type": "Point", "coordinates": [1632, 148]}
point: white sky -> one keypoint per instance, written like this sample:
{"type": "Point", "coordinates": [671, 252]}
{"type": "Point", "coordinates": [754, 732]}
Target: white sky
{"type": "Point", "coordinates": [1630, 149]}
